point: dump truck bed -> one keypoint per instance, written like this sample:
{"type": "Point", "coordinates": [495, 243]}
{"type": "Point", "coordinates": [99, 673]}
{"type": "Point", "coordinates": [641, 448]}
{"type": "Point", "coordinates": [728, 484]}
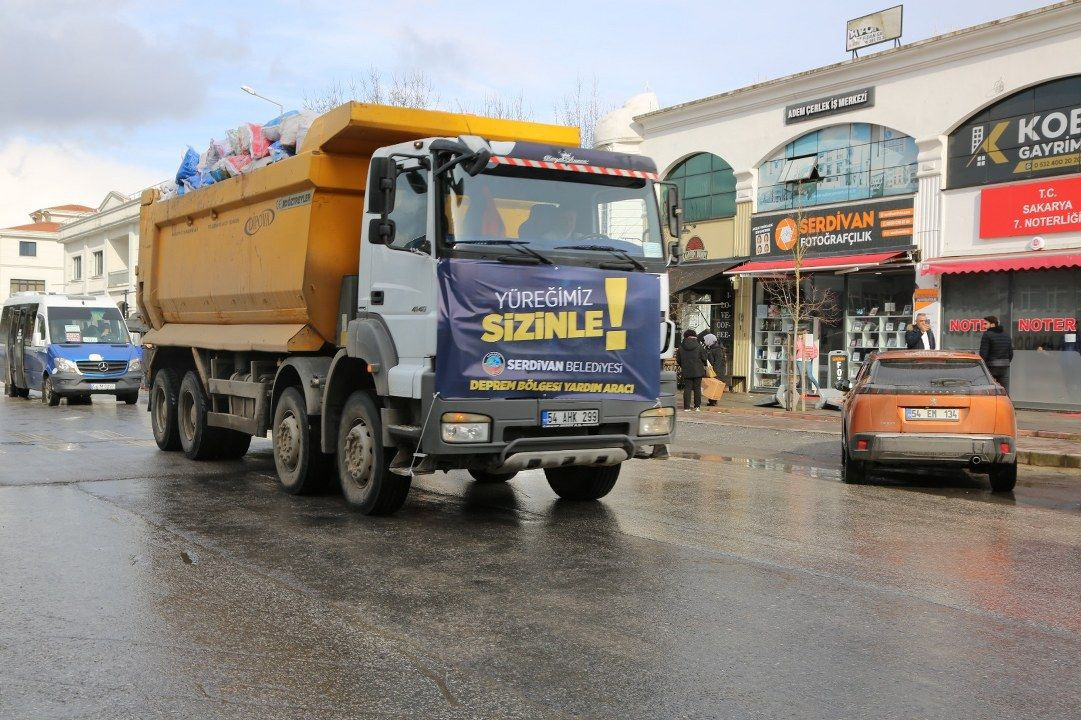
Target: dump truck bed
{"type": "Point", "coordinates": [256, 262]}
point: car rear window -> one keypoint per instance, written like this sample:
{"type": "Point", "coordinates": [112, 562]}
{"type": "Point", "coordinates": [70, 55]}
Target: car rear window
{"type": "Point", "coordinates": [930, 373]}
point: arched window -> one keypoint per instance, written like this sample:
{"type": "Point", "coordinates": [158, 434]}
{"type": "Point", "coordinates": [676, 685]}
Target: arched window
{"type": "Point", "coordinates": [707, 187]}
{"type": "Point", "coordinates": [1032, 133]}
{"type": "Point", "coordinates": [854, 161]}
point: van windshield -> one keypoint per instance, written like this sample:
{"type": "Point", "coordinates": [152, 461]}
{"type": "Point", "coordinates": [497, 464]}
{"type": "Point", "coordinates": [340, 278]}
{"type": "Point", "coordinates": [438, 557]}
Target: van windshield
{"type": "Point", "coordinates": [87, 325]}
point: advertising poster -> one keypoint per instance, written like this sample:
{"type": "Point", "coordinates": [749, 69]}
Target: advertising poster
{"type": "Point", "coordinates": [543, 331]}
{"type": "Point", "coordinates": [855, 228]}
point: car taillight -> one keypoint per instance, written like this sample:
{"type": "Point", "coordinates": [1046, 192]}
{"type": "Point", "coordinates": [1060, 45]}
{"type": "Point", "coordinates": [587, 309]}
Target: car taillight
{"type": "Point", "coordinates": [1004, 447]}
{"type": "Point", "coordinates": [861, 444]}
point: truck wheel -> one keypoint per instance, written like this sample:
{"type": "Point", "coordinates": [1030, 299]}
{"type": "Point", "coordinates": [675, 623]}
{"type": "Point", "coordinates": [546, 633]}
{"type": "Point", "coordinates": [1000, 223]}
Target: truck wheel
{"type": "Point", "coordinates": [232, 444]}
{"type": "Point", "coordinates": [482, 476]}
{"type": "Point", "coordinates": [48, 393]}
{"type": "Point", "coordinates": [163, 403]}
{"type": "Point", "coordinates": [367, 483]}
{"type": "Point", "coordinates": [583, 482]}
{"type": "Point", "coordinates": [1003, 477]}
{"type": "Point", "coordinates": [302, 467]}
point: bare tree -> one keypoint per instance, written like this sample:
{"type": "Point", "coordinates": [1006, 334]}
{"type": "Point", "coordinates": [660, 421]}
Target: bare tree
{"type": "Point", "coordinates": [412, 89]}
{"type": "Point", "coordinates": [583, 107]}
{"type": "Point", "coordinates": [509, 108]}
{"type": "Point", "coordinates": [786, 292]}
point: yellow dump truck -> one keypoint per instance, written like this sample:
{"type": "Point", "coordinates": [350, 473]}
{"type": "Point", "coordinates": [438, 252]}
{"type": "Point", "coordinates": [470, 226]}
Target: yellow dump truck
{"type": "Point", "coordinates": [415, 291]}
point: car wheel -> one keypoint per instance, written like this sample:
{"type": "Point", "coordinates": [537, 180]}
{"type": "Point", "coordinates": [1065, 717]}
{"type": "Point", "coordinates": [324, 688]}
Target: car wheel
{"type": "Point", "coordinates": [48, 393]}
{"type": "Point", "coordinates": [302, 466]}
{"type": "Point", "coordinates": [1003, 477]}
{"type": "Point", "coordinates": [367, 483]}
{"type": "Point", "coordinates": [485, 477]}
{"type": "Point", "coordinates": [853, 472]}
{"type": "Point", "coordinates": [583, 482]}
{"type": "Point", "coordinates": [129, 398]}
{"type": "Point", "coordinates": [163, 402]}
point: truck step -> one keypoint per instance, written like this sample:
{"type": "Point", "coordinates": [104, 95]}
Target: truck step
{"type": "Point", "coordinates": [407, 431]}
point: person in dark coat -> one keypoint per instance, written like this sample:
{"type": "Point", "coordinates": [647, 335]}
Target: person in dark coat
{"type": "Point", "coordinates": [717, 357]}
{"type": "Point", "coordinates": [996, 349]}
{"type": "Point", "coordinates": [691, 356]}
{"type": "Point", "coordinates": [920, 336]}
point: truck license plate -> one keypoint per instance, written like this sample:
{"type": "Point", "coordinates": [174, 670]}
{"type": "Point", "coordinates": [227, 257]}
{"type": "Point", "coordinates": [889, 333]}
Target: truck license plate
{"type": "Point", "coordinates": [569, 418]}
{"type": "Point", "coordinates": [943, 414]}
{"type": "Point", "coordinates": [103, 386]}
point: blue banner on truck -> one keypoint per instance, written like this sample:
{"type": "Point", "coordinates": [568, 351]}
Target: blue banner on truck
{"type": "Point", "coordinates": [547, 332]}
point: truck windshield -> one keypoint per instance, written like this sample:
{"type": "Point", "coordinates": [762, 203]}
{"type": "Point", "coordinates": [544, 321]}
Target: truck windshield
{"type": "Point", "coordinates": [87, 325]}
{"type": "Point", "coordinates": [578, 216]}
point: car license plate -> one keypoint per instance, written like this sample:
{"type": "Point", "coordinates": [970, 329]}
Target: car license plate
{"type": "Point", "coordinates": [569, 418]}
{"type": "Point", "coordinates": [103, 386]}
{"type": "Point", "coordinates": [943, 414]}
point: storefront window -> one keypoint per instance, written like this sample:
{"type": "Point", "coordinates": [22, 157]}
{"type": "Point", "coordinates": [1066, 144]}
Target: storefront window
{"type": "Point", "coordinates": [707, 187]}
{"type": "Point", "coordinates": [966, 301]}
{"type": "Point", "coordinates": [854, 161]}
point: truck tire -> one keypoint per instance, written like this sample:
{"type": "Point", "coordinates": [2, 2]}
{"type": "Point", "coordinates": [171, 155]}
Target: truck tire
{"type": "Point", "coordinates": [1003, 477]}
{"type": "Point", "coordinates": [484, 477]}
{"type": "Point", "coordinates": [198, 440]}
{"type": "Point", "coordinates": [302, 467]}
{"type": "Point", "coordinates": [367, 483]}
{"type": "Point", "coordinates": [48, 393]}
{"type": "Point", "coordinates": [583, 482]}
{"type": "Point", "coordinates": [163, 404]}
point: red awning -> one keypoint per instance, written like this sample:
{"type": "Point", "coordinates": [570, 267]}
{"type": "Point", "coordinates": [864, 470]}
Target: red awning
{"type": "Point", "coordinates": [1032, 260]}
{"type": "Point", "coordinates": [834, 262]}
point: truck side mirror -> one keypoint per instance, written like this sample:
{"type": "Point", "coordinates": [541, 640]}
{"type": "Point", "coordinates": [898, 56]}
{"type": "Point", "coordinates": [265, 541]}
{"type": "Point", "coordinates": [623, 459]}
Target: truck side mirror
{"type": "Point", "coordinates": [675, 212]}
{"type": "Point", "coordinates": [384, 179]}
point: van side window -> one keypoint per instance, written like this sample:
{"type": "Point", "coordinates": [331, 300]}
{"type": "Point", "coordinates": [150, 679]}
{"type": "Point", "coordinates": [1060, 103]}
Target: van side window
{"type": "Point", "coordinates": [39, 329]}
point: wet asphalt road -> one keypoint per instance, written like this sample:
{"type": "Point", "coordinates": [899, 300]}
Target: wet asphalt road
{"type": "Point", "coordinates": [740, 578]}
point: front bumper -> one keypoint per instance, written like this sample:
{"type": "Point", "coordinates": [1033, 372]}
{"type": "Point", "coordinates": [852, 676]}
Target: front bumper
{"type": "Point", "coordinates": [66, 384]}
{"type": "Point", "coordinates": [933, 448]}
{"type": "Point", "coordinates": [518, 442]}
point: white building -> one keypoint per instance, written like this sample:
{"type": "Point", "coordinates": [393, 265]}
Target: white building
{"type": "Point", "coordinates": [101, 249]}
{"type": "Point", "coordinates": [31, 257]}
{"type": "Point", "coordinates": [942, 176]}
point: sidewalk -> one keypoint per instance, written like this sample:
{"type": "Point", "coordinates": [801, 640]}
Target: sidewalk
{"type": "Point", "coordinates": [1045, 438]}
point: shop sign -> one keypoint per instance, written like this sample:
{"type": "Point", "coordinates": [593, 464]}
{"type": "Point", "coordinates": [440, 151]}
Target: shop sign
{"type": "Point", "coordinates": [1047, 324]}
{"type": "Point", "coordinates": [1039, 207]}
{"type": "Point", "coordinates": [878, 27]}
{"type": "Point", "coordinates": [695, 249]}
{"type": "Point", "coordinates": [1037, 144]}
{"type": "Point", "coordinates": [829, 105]}
{"type": "Point", "coordinates": [856, 228]}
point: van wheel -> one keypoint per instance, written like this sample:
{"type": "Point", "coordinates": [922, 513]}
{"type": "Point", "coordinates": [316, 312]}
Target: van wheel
{"type": "Point", "coordinates": [1003, 477]}
{"type": "Point", "coordinates": [853, 472]}
{"type": "Point", "coordinates": [367, 483]}
{"type": "Point", "coordinates": [130, 398]}
{"type": "Point", "coordinates": [163, 403]}
{"type": "Point", "coordinates": [484, 477]}
{"type": "Point", "coordinates": [48, 393]}
{"type": "Point", "coordinates": [302, 466]}
{"type": "Point", "coordinates": [583, 482]}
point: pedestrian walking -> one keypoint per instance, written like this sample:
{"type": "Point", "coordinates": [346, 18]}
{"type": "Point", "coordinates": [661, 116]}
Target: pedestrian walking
{"type": "Point", "coordinates": [692, 358]}
{"type": "Point", "coordinates": [717, 357]}
{"type": "Point", "coordinates": [920, 336]}
{"type": "Point", "coordinates": [805, 358]}
{"type": "Point", "coordinates": [996, 349]}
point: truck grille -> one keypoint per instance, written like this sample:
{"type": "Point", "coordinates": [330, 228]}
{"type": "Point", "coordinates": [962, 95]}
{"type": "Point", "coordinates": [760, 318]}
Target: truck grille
{"type": "Point", "coordinates": [101, 367]}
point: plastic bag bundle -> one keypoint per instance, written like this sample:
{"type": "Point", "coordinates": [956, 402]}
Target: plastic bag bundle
{"type": "Point", "coordinates": [237, 164]}
{"type": "Point", "coordinates": [253, 141]}
{"type": "Point", "coordinates": [189, 165]}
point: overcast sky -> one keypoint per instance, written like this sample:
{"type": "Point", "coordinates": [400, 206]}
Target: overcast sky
{"type": "Point", "coordinates": [106, 95]}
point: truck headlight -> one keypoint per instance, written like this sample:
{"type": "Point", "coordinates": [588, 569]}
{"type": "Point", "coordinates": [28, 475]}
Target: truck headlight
{"type": "Point", "coordinates": [135, 364]}
{"type": "Point", "coordinates": [460, 427]}
{"type": "Point", "coordinates": [63, 365]}
{"type": "Point", "coordinates": [656, 421]}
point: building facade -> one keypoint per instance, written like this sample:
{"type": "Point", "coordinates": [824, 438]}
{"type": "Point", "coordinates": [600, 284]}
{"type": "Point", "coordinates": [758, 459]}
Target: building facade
{"type": "Point", "coordinates": [941, 177]}
{"type": "Point", "coordinates": [31, 256]}
{"type": "Point", "coordinates": [101, 250]}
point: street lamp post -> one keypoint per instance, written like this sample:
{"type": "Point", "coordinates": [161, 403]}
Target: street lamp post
{"type": "Point", "coordinates": [248, 89]}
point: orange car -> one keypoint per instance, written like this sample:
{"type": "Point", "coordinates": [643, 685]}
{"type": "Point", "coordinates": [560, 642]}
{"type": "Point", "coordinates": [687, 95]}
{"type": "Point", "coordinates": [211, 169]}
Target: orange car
{"type": "Point", "coordinates": [929, 407]}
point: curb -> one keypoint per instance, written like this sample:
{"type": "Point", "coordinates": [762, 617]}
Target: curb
{"type": "Point", "coordinates": [1042, 458]}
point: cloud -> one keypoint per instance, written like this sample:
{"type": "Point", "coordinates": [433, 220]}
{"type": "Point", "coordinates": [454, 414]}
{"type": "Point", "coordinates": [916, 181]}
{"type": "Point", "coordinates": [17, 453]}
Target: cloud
{"type": "Point", "coordinates": [76, 64]}
{"type": "Point", "coordinates": [37, 175]}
